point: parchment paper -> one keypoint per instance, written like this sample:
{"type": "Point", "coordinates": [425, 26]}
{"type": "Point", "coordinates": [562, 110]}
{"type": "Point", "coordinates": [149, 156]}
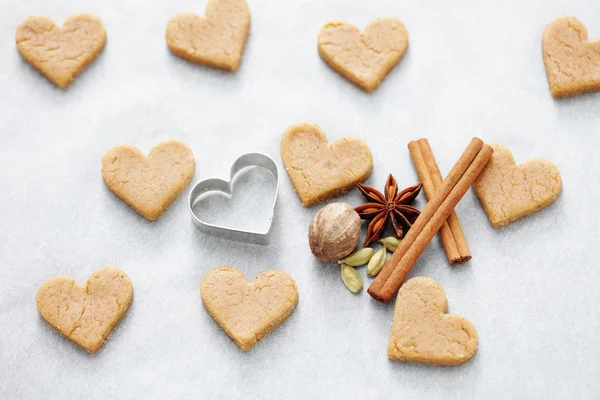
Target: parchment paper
{"type": "Point", "coordinates": [473, 68]}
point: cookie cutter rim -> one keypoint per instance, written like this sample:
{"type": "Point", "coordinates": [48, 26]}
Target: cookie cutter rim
{"type": "Point", "coordinates": [254, 159]}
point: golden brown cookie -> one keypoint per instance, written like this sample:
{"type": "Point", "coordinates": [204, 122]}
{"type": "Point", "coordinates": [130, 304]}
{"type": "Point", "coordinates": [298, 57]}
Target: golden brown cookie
{"type": "Point", "coordinates": [216, 40]}
{"type": "Point", "coordinates": [509, 192]}
{"type": "Point", "coordinates": [248, 311]}
{"type": "Point", "coordinates": [319, 170]}
{"type": "Point", "coordinates": [60, 54]}
{"type": "Point", "coordinates": [86, 315]}
{"type": "Point", "coordinates": [149, 184]}
{"type": "Point", "coordinates": [572, 63]}
{"type": "Point", "coordinates": [423, 333]}
{"type": "Point", "coordinates": [364, 58]}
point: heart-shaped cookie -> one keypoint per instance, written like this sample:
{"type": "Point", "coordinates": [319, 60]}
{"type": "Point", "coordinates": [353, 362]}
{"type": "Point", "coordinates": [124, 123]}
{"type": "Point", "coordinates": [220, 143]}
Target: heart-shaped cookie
{"type": "Point", "coordinates": [423, 333]}
{"type": "Point", "coordinates": [149, 184]}
{"type": "Point", "coordinates": [319, 170]}
{"type": "Point", "coordinates": [216, 40]}
{"type": "Point", "coordinates": [572, 63]}
{"type": "Point", "coordinates": [86, 315]}
{"type": "Point", "coordinates": [364, 58]}
{"type": "Point", "coordinates": [509, 192]}
{"type": "Point", "coordinates": [248, 311]}
{"type": "Point", "coordinates": [60, 54]}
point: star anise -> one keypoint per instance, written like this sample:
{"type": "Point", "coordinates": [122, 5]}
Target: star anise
{"type": "Point", "coordinates": [392, 206]}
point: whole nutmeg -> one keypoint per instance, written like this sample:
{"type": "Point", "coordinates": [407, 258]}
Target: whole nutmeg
{"type": "Point", "coordinates": [334, 232]}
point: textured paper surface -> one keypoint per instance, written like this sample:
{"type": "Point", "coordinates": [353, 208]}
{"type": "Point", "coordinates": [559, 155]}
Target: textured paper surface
{"type": "Point", "coordinates": [472, 68]}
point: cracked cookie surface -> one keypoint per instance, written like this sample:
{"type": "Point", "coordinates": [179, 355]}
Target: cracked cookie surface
{"type": "Point", "coordinates": [217, 39]}
{"type": "Point", "coordinates": [364, 58]}
{"type": "Point", "coordinates": [86, 315]}
{"type": "Point", "coordinates": [509, 192]}
{"type": "Point", "coordinates": [423, 333]}
{"type": "Point", "coordinates": [248, 311]}
{"type": "Point", "coordinates": [572, 63]}
{"type": "Point", "coordinates": [60, 54]}
{"type": "Point", "coordinates": [150, 184]}
{"type": "Point", "coordinates": [319, 170]}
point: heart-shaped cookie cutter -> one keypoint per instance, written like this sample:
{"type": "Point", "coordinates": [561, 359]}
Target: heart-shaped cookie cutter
{"type": "Point", "coordinates": [220, 185]}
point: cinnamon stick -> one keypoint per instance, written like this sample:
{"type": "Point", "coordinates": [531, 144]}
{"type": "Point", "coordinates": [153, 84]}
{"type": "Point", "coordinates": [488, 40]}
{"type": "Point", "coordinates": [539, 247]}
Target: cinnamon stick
{"type": "Point", "coordinates": [435, 213]}
{"type": "Point", "coordinates": [451, 233]}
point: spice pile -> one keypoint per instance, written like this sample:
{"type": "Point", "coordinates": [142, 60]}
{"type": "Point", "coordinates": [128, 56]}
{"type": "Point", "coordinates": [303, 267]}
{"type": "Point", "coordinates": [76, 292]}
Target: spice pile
{"type": "Point", "coordinates": [335, 230]}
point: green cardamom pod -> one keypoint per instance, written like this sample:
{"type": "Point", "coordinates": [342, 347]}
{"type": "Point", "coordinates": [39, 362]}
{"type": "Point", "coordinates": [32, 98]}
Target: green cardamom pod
{"type": "Point", "coordinates": [377, 262]}
{"type": "Point", "coordinates": [351, 278]}
{"type": "Point", "coordinates": [358, 257]}
{"type": "Point", "coordinates": [391, 243]}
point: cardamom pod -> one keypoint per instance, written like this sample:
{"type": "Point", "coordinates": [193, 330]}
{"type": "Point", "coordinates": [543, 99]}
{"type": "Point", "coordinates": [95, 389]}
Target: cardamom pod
{"type": "Point", "coordinates": [358, 257]}
{"type": "Point", "coordinates": [377, 262]}
{"type": "Point", "coordinates": [351, 278]}
{"type": "Point", "coordinates": [391, 243]}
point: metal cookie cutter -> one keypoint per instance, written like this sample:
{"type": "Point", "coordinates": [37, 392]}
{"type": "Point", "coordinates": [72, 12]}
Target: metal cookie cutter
{"type": "Point", "coordinates": [217, 184]}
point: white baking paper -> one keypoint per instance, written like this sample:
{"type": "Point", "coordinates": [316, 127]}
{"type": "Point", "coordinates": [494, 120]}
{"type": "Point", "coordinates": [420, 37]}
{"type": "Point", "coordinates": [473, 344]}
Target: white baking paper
{"type": "Point", "coordinates": [473, 68]}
